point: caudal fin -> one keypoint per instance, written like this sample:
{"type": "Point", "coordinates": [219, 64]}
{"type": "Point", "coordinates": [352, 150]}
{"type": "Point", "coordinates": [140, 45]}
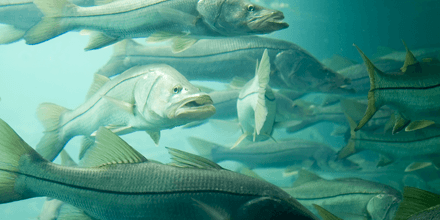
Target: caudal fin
{"type": "Point", "coordinates": [12, 148]}
{"type": "Point", "coordinates": [51, 144]}
{"type": "Point", "coordinates": [10, 34]}
{"type": "Point", "coordinates": [50, 26]}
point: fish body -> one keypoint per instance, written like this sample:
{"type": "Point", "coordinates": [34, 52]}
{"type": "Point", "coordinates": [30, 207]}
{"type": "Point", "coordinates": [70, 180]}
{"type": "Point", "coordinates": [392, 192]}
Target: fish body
{"type": "Point", "coordinates": [413, 93]}
{"type": "Point", "coordinates": [149, 98]}
{"type": "Point", "coordinates": [221, 59]}
{"type": "Point", "coordinates": [348, 198]}
{"type": "Point", "coordinates": [136, 18]}
{"type": "Point", "coordinates": [256, 104]}
{"type": "Point", "coordinates": [269, 154]}
{"type": "Point", "coordinates": [117, 182]}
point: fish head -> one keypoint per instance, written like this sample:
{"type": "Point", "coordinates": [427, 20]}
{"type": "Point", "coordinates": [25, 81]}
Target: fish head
{"type": "Point", "coordinates": [166, 96]}
{"type": "Point", "coordinates": [240, 17]}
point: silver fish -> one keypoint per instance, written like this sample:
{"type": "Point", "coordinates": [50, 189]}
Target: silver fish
{"type": "Point", "coordinates": [116, 182]}
{"type": "Point", "coordinates": [222, 59]}
{"type": "Point", "coordinates": [144, 98]}
{"type": "Point", "coordinates": [348, 198]}
{"type": "Point", "coordinates": [295, 153]}
{"type": "Point", "coordinates": [182, 21]}
{"type": "Point", "coordinates": [412, 93]}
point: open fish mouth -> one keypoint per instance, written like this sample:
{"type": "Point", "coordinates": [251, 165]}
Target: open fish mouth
{"type": "Point", "coordinates": [268, 23]}
{"type": "Point", "coordinates": [197, 108]}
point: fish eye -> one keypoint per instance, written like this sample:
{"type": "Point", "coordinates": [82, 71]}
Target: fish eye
{"type": "Point", "coordinates": [251, 7]}
{"type": "Point", "coordinates": [177, 89]}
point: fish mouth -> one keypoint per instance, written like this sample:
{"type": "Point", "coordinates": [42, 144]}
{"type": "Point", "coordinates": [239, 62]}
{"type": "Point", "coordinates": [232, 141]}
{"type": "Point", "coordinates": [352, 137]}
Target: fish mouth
{"type": "Point", "coordinates": [268, 22]}
{"type": "Point", "coordinates": [196, 108]}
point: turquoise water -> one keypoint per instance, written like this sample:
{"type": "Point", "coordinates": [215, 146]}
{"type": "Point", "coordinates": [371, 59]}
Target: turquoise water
{"type": "Point", "coordinates": [60, 71]}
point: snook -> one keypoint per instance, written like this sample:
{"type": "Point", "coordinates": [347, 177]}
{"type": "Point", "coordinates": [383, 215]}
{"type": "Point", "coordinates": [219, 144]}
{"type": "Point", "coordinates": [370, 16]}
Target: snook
{"type": "Point", "coordinates": [348, 198]}
{"type": "Point", "coordinates": [413, 93]}
{"type": "Point", "coordinates": [122, 184]}
{"type": "Point", "coordinates": [143, 98]}
{"type": "Point", "coordinates": [293, 153]}
{"type": "Point", "coordinates": [224, 58]}
{"type": "Point", "coordinates": [182, 21]}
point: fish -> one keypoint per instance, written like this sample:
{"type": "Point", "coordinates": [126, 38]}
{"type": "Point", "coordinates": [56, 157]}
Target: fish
{"type": "Point", "coordinates": [256, 104]}
{"type": "Point", "coordinates": [283, 154]}
{"type": "Point", "coordinates": [144, 98]}
{"type": "Point", "coordinates": [411, 93]}
{"type": "Point", "coordinates": [337, 62]}
{"type": "Point", "coordinates": [418, 204]}
{"type": "Point", "coordinates": [122, 184]}
{"type": "Point", "coordinates": [348, 198]}
{"type": "Point", "coordinates": [20, 15]}
{"type": "Point", "coordinates": [182, 21]}
{"type": "Point", "coordinates": [222, 59]}
{"type": "Point", "coordinates": [420, 146]}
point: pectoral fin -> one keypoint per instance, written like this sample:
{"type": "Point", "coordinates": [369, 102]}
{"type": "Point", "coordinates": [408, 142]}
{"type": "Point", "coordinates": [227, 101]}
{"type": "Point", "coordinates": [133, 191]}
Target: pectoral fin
{"type": "Point", "coordinates": [70, 212]}
{"type": "Point", "coordinates": [182, 43]}
{"type": "Point", "coordinates": [155, 135]}
{"type": "Point", "coordinates": [415, 125]}
{"type": "Point", "coordinates": [384, 160]}
{"type": "Point", "coordinates": [417, 166]}
{"type": "Point", "coordinates": [10, 34]}
{"type": "Point", "coordinates": [99, 40]}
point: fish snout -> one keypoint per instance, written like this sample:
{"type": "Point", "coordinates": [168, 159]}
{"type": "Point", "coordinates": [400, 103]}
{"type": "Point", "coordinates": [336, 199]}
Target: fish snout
{"type": "Point", "coordinates": [197, 107]}
{"type": "Point", "coordinates": [268, 21]}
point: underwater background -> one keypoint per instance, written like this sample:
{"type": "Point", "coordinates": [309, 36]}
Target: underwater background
{"type": "Point", "coordinates": [60, 71]}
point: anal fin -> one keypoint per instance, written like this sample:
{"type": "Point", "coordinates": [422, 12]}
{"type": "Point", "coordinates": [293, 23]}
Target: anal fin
{"type": "Point", "coordinates": [99, 40]}
{"type": "Point", "coordinates": [10, 34]}
{"type": "Point", "coordinates": [182, 43]}
{"type": "Point", "coordinates": [70, 212]}
{"type": "Point", "coordinates": [155, 135]}
{"type": "Point", "coordinates": [415, 125]}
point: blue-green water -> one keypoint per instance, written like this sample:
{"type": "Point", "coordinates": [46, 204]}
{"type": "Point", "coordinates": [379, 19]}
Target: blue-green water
{"type": "Point", "coordinates": [60, 71]}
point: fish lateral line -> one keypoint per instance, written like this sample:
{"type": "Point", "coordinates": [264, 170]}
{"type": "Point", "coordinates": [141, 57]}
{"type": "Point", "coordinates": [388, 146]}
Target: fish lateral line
{"type": "Point", "coordinates": [405, 88]}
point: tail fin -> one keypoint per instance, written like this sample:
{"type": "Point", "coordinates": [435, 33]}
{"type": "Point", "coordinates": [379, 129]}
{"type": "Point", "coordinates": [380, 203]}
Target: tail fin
{"type": "Point", "coordinates": [203, 147]}
{"type": "Point", "coordinates": [350, 148]}
{"type": "Point", "coordinates": [12, 148]}
{"type": "Point", "coordinates": [375, 75]}
{"type": "Point", "coordinates": [10, 34]}
{"type": "Point", "coordinates": [50, 26]}
{"type": "Point", "coordinates": [51, 144]}
{"type": "Point", "coordinates": [262, 74]}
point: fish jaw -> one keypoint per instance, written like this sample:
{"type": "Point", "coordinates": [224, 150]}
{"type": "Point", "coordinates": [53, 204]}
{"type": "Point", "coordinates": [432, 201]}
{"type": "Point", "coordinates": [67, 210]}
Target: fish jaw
{"type": "Point", "coordinates": [267, 22]}
{"type": "Point", "coordinates": [197, 107]}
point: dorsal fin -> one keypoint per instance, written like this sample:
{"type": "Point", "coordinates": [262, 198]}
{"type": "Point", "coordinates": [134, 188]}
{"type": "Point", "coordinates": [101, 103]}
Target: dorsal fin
{"type": "Point", "coordinates": [263, 76]}
{"type": "Point", "coordinates": [414, 201]}
{"type": "Point", "coordinates": [185, 159]}
{"type": "Point", "coordinates": [304, 177]}
{"type": "Point", "coordinates": [110, 149]}
{"type": "Point", "coordinates": [98, 82]}
{"type": "Point", "coordinates": [409, 59]}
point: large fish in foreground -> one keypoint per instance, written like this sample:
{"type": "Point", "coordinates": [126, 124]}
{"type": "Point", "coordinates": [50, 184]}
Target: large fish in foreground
{"type": "Point", "coordinates": [144, 98]}
{"type": "Point", "coordinates": [418, 204]}
{"type": "Point", "coordinates": [413, 93]}
{"type": "Point", "coordinates": [293, 153]}
{"type": "Point", "coordinates": [221, 59]}
{"type": "Point", "coordinates": [116, 182]}
{"type": "Point", "coordinates": [182, 21]}
{"type": "Point", "coordinates": [349, 198]}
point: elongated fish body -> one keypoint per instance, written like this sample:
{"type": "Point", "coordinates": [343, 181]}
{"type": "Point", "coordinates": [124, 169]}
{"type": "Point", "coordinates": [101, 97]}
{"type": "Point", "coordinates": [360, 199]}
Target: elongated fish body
{"type": "Point", "coordinates": [149, 98]}
{"type": "Point", "coordinates": [116, 182]}
{"type": "Point", "coordinates": [167, 18]}
{"type": "Point", "coordinates": [221, 59]}
{"type": "Point", "coordinates": [420, 145]}
{"type": "Point", "coordinates": [20, 16]}
{"type": "Point", "coordinates": [348, 198]}
{"type": "Point", "coordinates": [269, 154]}
{"type": "Point", "coordinates": [413, 93]}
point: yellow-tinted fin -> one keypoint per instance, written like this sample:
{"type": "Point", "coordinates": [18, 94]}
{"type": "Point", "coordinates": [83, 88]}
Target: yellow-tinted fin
{"type": "Point", "coordinates": [369, 113]}
{"type": "Point", "coordinates": [415, 125]}
{"type": "Point", "coordinates": [99, 40]}
{"type": "Point", "coordinates": [86, 143]}
{"type": "Point", "coordinates": [49, 115]}
{"type": "Point", "coordinates": [182, 43]}
{"type": "Point", "coordinates": [414, 201]}
{"type": "Point", "coordinates": [155, 135]}
{"type": "Point", "coordinates": [98, 82]}
{"type": "Point", "coordinates": [240, 139]}
{"type": "Point", "coordinates": [110, 149]}
{"type": "Point", "coordinates": [400, 123]}
{"type": "Point", "coordinates": [417, 166]}
{"type": "Point", "coordinates": [348, 150]}
{"type": "Point", "coordinates": [325, 215]}
{"type": "Point", "coordinates": [409, 59]}
{"type": "Point", "coordinates": [70, 212]}
{"type": "Point", "coordinates": [185, 159]}
{"type": "Point", "coordinates": [305, 176]}
{"type": "Point", "coordinates": [384, 160]}
{"type": "Point", "coordinates": [10, 34]}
